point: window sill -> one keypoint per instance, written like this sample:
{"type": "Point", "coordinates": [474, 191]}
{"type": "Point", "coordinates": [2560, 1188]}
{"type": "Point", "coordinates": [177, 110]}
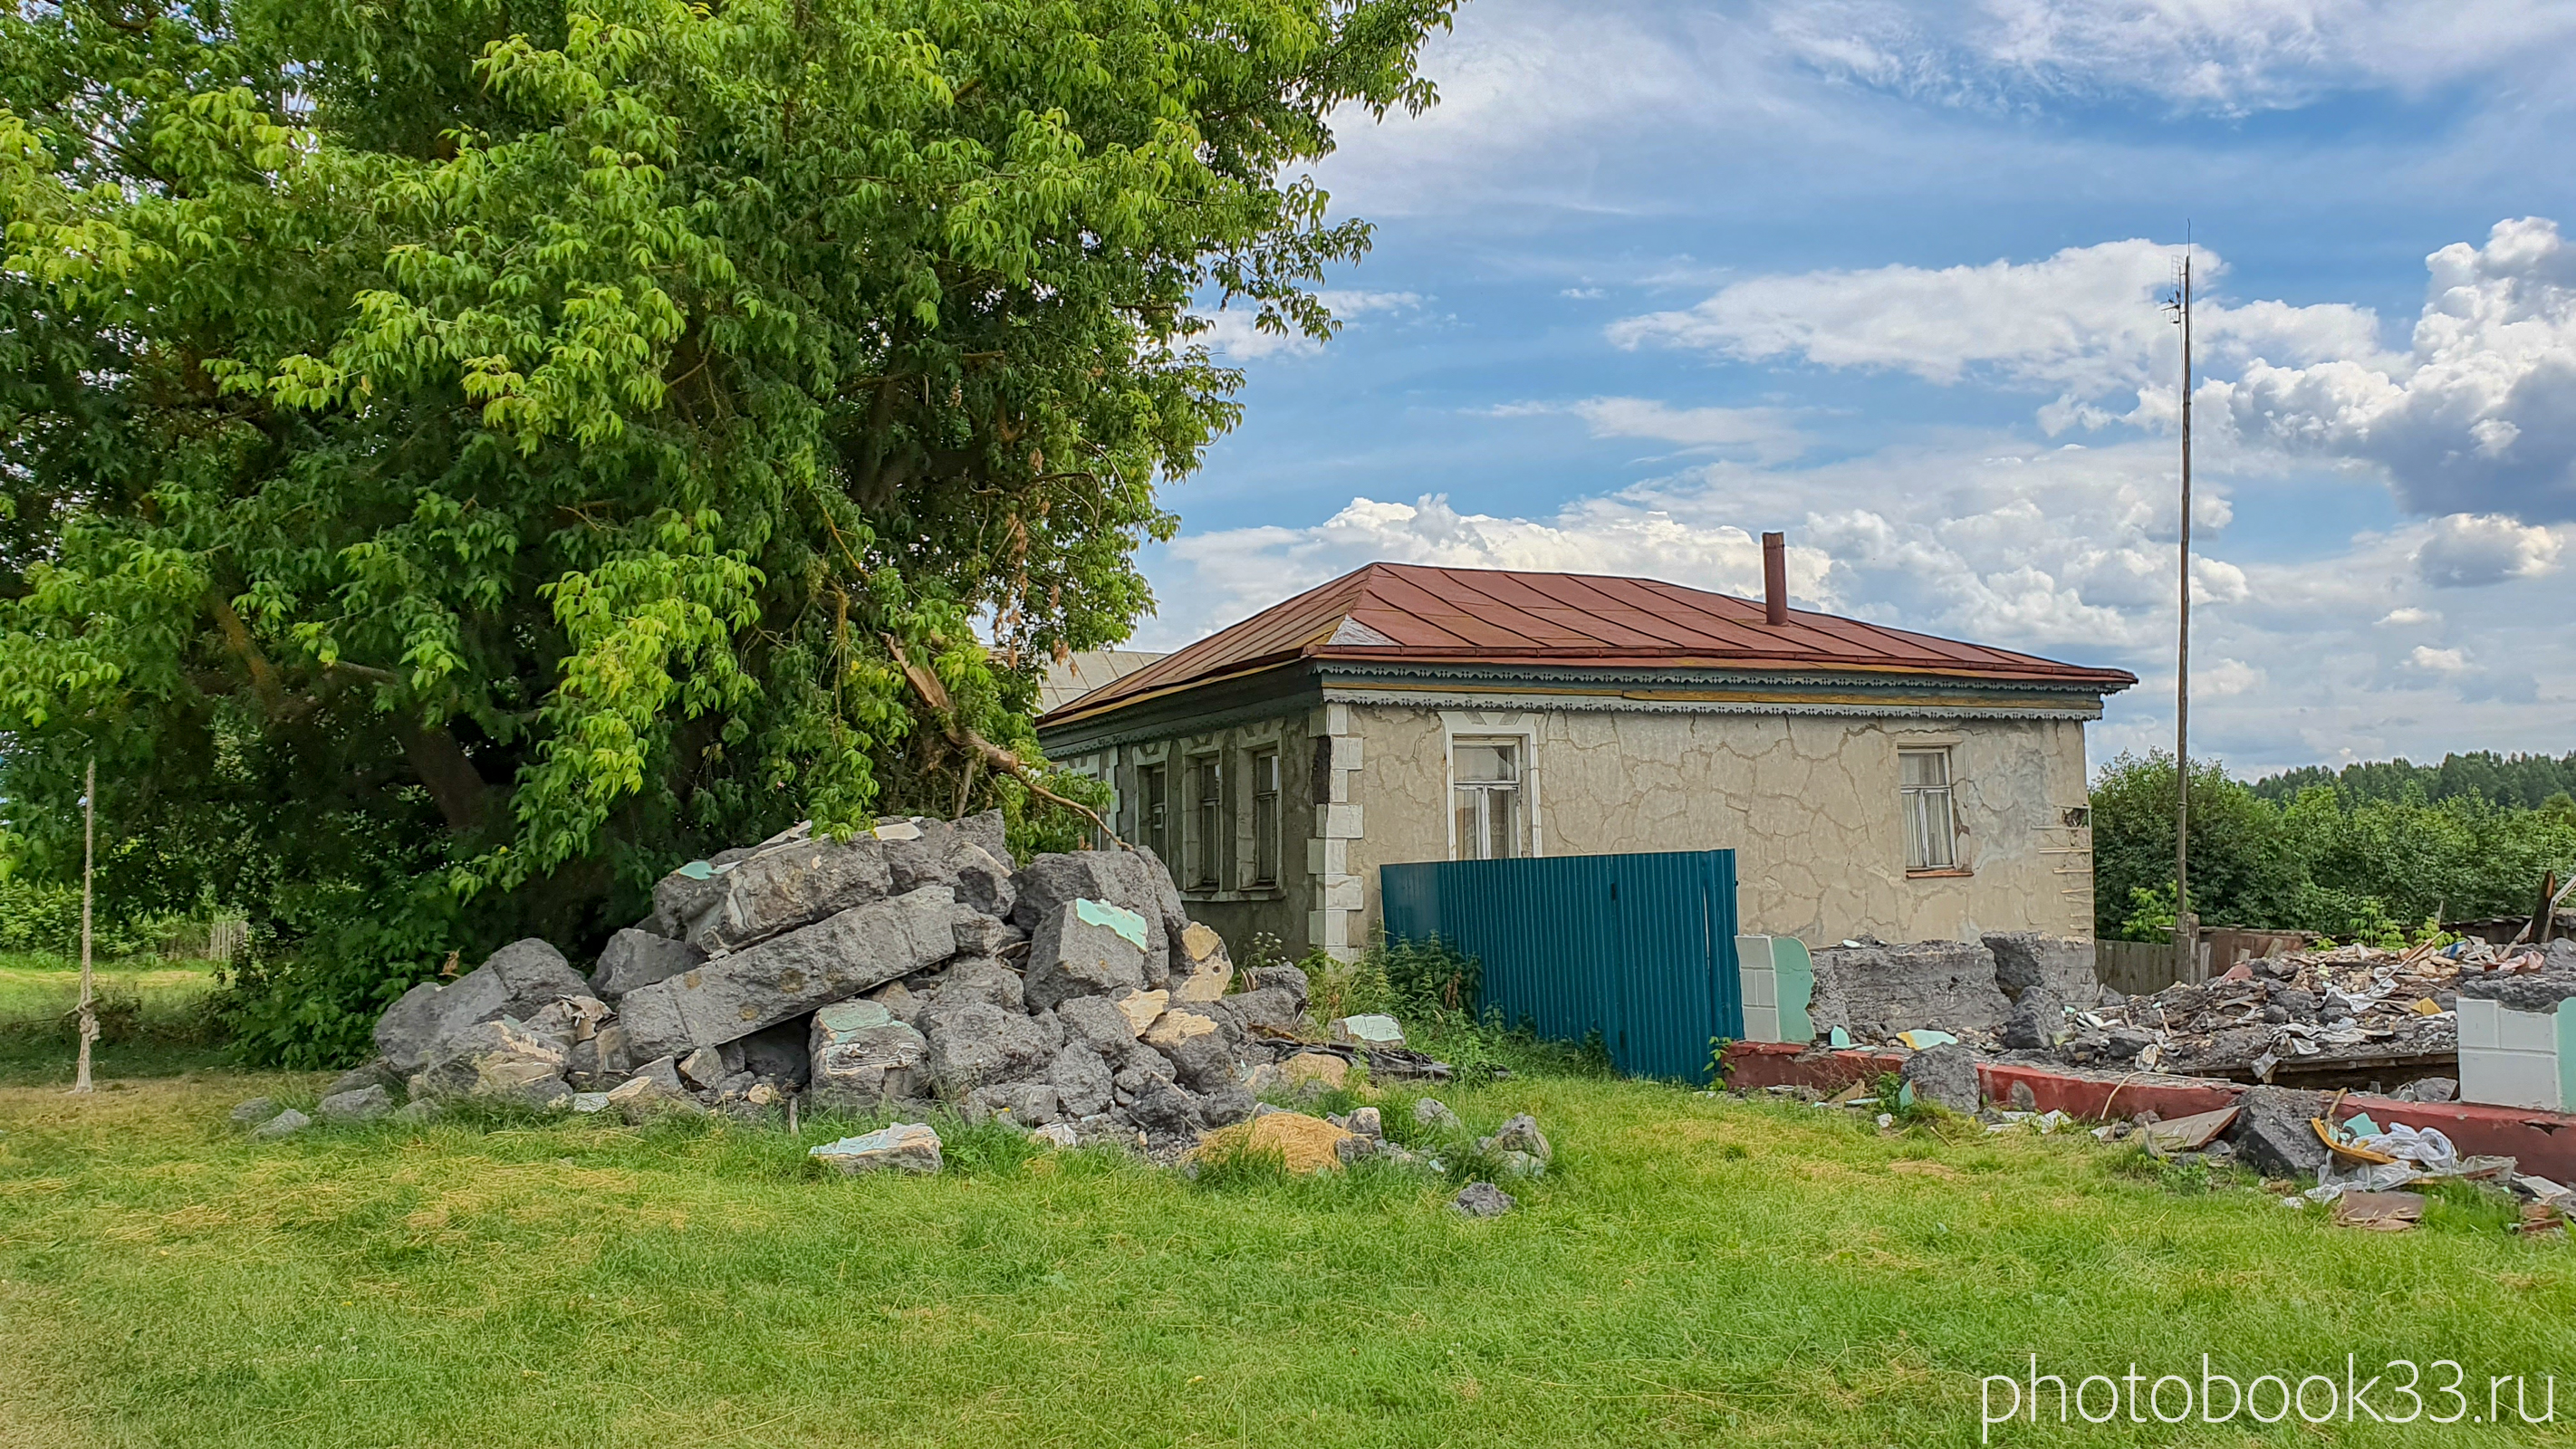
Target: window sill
{"type": "Point", "coordinates": [1955, 872]}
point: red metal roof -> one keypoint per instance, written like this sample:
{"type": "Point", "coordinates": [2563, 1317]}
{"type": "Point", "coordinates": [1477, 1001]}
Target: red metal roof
{"type": "Point", "coordinates": [1414, 613]}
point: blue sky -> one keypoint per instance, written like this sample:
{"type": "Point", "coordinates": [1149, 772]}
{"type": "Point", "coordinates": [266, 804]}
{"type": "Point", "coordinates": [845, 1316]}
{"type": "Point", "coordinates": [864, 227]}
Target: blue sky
{"type": "Point", "coordinates": [1655, 278]}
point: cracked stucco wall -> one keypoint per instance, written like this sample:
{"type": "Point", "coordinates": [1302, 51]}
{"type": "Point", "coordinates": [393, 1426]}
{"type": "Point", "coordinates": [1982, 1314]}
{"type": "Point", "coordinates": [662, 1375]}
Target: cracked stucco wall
{"type": "Point", "coordinates": [1808, 803]}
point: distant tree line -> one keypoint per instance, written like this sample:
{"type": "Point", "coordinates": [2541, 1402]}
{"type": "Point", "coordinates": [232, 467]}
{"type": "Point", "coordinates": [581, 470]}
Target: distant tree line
{"type": "Point", "coordinates": [2363, 853]}
{"type": "Point", "coordinates": [2526, 780]}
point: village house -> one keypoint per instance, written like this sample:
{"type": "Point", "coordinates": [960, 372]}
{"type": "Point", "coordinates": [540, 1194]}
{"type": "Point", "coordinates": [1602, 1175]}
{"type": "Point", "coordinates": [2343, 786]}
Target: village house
{"type": "Point", "coordinates": [1871, 780]}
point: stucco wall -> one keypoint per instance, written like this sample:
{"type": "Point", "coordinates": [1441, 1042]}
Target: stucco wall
{"type": "Point", "coordinates": [1809, 804]}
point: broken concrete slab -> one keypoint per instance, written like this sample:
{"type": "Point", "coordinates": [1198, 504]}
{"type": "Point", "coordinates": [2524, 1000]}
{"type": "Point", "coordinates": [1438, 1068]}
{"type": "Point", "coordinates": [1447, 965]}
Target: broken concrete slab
{"type": "Point", "coordinates": [1085, 947]}
{"type": "Point", "coordinates": [1875, 991]}
{"type": "Point", "coordinates": [518, 980]}
{"type": "Point", "coordinates": [645, 1094]}
{"type": "Point", "coordinates": [1945, 1076]}
{"type": "Point", "coordinates": [1201, 970]}
{"type": "Point", "coordinates": [495, 1061]}
{"type": "Point", "coordinates": [787, 976]}
{"type": "Point", "coordinates": [1083, 1083]}
{"type": "Point", "coordinates": [979, 1044]}
{"type": "Point", "coordinates": [634, 958]}
{"type": "Point", "coordinates": [1483, 1200]}
{"type": "Point", "coordinates": [1129, 879]}
{"type": "Point", "coordinates": [2272, 1132]}
{"type": "Point", "coordinates": [782, 887]}
{"type": "Point", "coordinates": [2037, 1023]}
{"type": "Point", "coordinates": [2060, 965]}
{"type": "Point", "coordinates": [862, 1056]}
{"type": "Point", "coordinates": [903, 1147]}
{"type": "Point", "coordinates": [1024, 1104]}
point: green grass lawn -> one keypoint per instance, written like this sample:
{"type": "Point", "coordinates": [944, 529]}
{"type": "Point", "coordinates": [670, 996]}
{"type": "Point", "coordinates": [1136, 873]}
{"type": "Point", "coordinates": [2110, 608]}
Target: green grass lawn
{"type": "Point", "coordinates": [1696, 1271]}
{"type": "Point", "coordinates": [153, 1016]}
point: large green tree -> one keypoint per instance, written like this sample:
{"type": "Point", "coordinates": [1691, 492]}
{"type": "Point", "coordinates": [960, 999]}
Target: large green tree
{"type": "Point", "coordinates": [462, 457]}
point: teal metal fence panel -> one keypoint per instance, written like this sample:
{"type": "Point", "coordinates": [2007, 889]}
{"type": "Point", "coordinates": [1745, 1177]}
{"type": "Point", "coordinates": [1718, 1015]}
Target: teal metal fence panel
{"type": "Point", "coordinates": [1640, 948]}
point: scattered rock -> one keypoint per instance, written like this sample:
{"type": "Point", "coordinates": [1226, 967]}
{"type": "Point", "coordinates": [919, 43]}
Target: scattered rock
{"type": "Point", "coordinates": [2038, 1019]}
{"type": "Point", "coordinates": [363, 1104]}
{"type": "Point", "coordinates": [1483, 1200]}
{"type": "Point", "coordinates": [2023, 1099]}
{"type": "Point", "coordinates": [284, 1124]}
{"type": "Point", "coordinates": [1522, 1164]}
{"type": "Point", "coordinates": [645, 1093]}
{"type": "Point", "coordinates": [1432, 1112]}
{"type": "Point", "coordinates": [1945, 1076]}
{"type": "Point", "coordinates": [1200, 968]}
{"type": "Point", "coordinates": [253, 1112]}
{"type": "Point", "coordinates": [1026, 1104]}
{"type": "Point", "coordinates": [1520, 1133]}
{"type": "Point", "coordinates": [907, 1146]}
{"type": "Point", "coordinates": [1056, 1134]}
{"type": "Point", "coordinates": [375, 1073]}
{"type": "Point", "coordinates": [2271, 1131]}
{"type": "Point", "coordinates": [1140, 1008]}
{"type": "Point", "coordinates": [1367, 1123]}
{"type": "Point", "coordinates": [496, 1061]}
{"type": "Point", "coordinates": [704, 1068]}
{"type": "Point", "coordinates": [2429, 1089]}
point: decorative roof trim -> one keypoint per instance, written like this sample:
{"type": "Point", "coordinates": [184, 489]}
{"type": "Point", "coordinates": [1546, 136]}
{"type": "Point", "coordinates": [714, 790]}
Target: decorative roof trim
{"type": "Point", "coordinates": [1895, 708]}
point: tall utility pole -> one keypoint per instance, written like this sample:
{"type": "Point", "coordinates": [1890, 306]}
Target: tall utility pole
{"type": "Point", "coordinates": [89, 863]}
{"type": "Point", "coordinates": [2185, 926]}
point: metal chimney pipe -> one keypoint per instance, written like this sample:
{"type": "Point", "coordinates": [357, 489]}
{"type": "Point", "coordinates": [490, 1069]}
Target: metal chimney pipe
{"type": "Point", "coordinates": [1775, 578]}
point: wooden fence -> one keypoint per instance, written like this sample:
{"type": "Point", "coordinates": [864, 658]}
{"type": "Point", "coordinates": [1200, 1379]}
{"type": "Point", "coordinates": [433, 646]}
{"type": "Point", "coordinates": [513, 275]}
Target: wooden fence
{"type": "Point", "coordinates": [2143, 968]}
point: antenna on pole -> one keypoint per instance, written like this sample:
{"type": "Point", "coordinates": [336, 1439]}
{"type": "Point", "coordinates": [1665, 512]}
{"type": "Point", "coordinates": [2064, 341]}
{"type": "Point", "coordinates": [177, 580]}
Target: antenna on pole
{"type": "Point", "coordinates": [2186, 926]}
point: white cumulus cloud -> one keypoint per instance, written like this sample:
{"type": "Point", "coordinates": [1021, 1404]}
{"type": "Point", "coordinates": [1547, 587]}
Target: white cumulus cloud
{"type": "Point", "coordinates": [2470, 550]}
{"type": "Point", "coordinates": [2084, 324]}
{"type": "Point", "coordinates": [2478, 414]}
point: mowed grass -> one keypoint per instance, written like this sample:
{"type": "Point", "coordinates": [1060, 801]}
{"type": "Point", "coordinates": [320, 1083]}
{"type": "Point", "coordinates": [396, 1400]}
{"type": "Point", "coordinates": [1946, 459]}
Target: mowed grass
{"type": "Point", "coordinates": [1695, 1271]}
{"type": "Point", "coordinates": [154, 1016]}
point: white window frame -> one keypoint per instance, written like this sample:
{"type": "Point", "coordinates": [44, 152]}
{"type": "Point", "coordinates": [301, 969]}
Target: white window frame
{"type": "Point", "coordinates": [1914, 802]}
{"type": "Point", "coordinates": [1474, 725]}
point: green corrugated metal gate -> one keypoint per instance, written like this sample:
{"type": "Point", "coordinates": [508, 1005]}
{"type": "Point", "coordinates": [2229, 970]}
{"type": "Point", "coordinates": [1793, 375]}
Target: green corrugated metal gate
{"type": "Point", "coordinates": [1640, 948]}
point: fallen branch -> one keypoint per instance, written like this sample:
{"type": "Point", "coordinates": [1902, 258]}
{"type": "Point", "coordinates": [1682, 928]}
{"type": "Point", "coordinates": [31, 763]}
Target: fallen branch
{"type": "Point", "coordinates": [934, 695]}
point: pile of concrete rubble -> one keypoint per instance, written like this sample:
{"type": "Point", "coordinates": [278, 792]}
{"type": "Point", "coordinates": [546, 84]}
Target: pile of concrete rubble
{"type": "Point", "coordinates": [2030, 997]}
{"type": "Point", "coordinates": [899, 968]}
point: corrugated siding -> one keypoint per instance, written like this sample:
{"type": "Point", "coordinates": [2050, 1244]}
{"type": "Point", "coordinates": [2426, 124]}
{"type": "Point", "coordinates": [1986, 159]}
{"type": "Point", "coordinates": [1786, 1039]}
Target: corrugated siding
{"type": "Point", "coordinates": [1640, 948]}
